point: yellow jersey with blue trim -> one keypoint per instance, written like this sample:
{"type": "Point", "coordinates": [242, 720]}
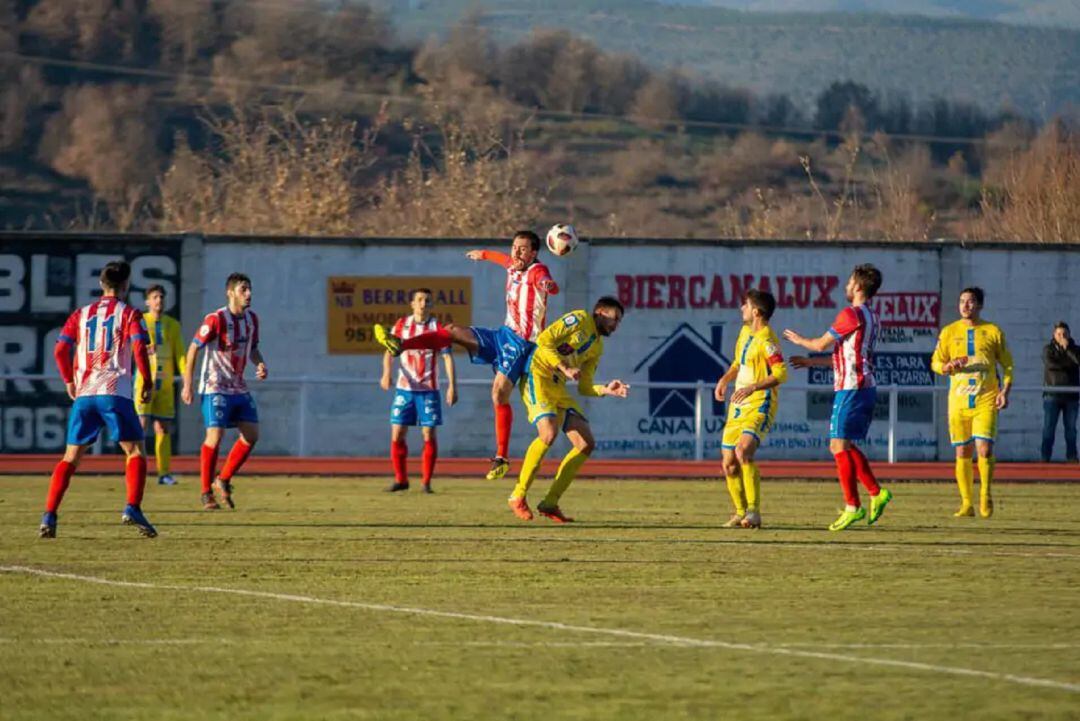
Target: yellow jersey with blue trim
{"type": "Point", "coordinates": [574, 342]}
{"type": "Point", "coordinates": [167, 352]}
{"type": "Point", "coordinates": [757, 357]}
{"type": "Point", "coordinates": [983, 344]}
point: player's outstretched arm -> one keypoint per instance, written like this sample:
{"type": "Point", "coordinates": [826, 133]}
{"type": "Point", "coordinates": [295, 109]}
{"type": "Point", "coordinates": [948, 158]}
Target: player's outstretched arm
{"type": "Point", "coordinates": [817, 345]}
{"type": "Point", "coordinates": [615, 388]}
{"type": "Point", "coordinates": [801, 361]}
{"type": "Point", "coordinates": [491, 256]}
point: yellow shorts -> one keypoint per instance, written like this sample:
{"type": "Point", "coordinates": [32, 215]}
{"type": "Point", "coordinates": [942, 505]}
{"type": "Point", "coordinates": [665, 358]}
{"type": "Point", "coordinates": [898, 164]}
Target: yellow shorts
{"type": "Point", "coordinates": [162, 403]}
{"type": "Point", "coordinates": [752, 420]}
{"type": "Point", "coordinates": [974, 419]}
{"type": "Point", "coordinates": [545, 397]}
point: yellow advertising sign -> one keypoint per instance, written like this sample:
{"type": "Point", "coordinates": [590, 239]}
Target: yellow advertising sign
{"type": "Point", "coordinates": [355, 303]}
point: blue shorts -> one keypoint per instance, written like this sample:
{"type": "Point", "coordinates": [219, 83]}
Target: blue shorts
{"type": "Point", "coordinates": [502, 349]}
{"type": "Point", "coordinates": [90, 413]}
{"type": "Point", "coordinates": [225, 410]}
{"type": "Point", "coordinates": [852, 412]}
{"type": "Point", "coordinates": [416, 408]}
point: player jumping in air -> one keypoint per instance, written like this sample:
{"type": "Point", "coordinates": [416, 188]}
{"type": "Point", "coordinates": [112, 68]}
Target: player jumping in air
{"type": "Point", "coordinates": [852, 337]}
{"type": "Point", "coordinates": [166, 356]}
{"type": "Point", "coordinates": [94, 354]}
{"type": "Point", "coordinates": [230, 335]}
{"type": "Point", "coordinates": [567, 351]}
{"type": "Point", "coordinates": [505, 349]}
{"type": "Point", "coordinates": [758, 370]}
{"type": "Point", "coordinates": [969, 352]}
{"type": "Point", "coordinates": [416, 399]}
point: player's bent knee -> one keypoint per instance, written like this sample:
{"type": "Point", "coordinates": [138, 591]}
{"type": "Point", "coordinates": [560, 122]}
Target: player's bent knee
{"type": "Point", "coordinates": [547, 435]}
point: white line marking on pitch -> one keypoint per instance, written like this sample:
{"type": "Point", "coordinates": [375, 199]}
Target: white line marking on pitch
{"type": "Point", "coordinates": [642, 644]}
{"type": "Point", "coordinates": [116, 641]}
{"type": "Point", "coordinates": [1004, 646]}
{"type": "Point", "coordinates": [556, 626]}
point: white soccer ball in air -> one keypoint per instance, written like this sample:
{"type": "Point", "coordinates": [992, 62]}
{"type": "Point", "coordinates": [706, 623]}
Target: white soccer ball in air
{"type": "Point", "coordinates": [562, 239]}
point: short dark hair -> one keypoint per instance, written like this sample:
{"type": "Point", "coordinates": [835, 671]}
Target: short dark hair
{"type": "Point", "coordinates": [763, 300]}
{"type": "Point", "coordinates": [414, 291]}
{"type": "Point", "coordinates": [115, 274]}
{"type": "Point", "coordinates": [236, 279]}
{"type": "Point", "coordinates": [532, 237]}
{"type": "Point", "coordinates": [868, 278]}
{"type": "Point", "coordinates": [1062, 324]}
{"type": "Point", "coordinates": [977, 292]}
{"type": "Point", "coordinates": [155, 288]}
{"type": "Point", "coordinates": [609, 303]}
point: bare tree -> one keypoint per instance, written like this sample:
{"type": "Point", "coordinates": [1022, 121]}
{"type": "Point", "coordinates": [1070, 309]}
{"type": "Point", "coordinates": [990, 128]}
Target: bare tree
{"type": "Point", "coordinates": [106, 135]}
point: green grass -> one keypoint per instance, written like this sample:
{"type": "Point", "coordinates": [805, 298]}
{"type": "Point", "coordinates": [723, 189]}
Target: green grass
{"type": "Point", "coordinates": [997, 596]}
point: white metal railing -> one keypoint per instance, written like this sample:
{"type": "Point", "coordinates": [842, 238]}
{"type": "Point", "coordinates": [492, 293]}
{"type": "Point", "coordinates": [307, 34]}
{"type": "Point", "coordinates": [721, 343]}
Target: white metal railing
{"type": "Point", "coordinates": [702, 395]}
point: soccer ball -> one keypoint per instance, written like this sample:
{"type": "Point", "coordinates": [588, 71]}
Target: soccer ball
{"type": "Point", "coordinates": [562, 239]}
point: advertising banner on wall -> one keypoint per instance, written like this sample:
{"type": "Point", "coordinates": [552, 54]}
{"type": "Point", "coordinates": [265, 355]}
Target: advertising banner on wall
{"type": "Point", "coordinates": [681, 326]}
{"type": "Point", "coordinates": [42, 280]}
{"type": "Point", "coordinates": [355, 303]}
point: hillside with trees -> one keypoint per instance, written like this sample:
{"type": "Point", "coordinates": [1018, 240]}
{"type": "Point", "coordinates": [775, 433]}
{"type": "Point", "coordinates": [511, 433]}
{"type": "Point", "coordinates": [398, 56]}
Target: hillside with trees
{"type": "Point", "coordinates": [238, 116]}
{"type": "Point", "coordinates": [1052, 13]}
{"type": "Point", "coordinates": [1035, 70]}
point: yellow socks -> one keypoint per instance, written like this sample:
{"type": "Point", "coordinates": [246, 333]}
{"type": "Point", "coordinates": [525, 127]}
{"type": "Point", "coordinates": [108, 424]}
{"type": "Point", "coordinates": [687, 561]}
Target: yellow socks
{"type": "Point", "coordinates": [986, 479]}
{"type": "Point", "coordinates": [735, 490]}
{"type": "Point", "coordinates": [752, 485]}
{"type": "Point", "coordinates": [163, 453]}
{"type": "Point", "coordinates": [568, 470]}
{"type": "Point", "coordinates": [529, 467]}
{"type": "Point", "coordinates": [965, 480]}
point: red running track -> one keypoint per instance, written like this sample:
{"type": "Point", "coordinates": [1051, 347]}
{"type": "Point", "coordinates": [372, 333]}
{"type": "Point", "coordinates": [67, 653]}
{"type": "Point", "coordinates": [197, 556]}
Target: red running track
{"type": "Point", "coordinates": [601, 468]}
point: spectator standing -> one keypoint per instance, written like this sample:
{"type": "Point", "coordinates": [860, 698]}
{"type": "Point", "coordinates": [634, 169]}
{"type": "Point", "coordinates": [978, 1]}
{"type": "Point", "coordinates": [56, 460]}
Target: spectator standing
{"type": "Point", "coordinates": [1061, 367]}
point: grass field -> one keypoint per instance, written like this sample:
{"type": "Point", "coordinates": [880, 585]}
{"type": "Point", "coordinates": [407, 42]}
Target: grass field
{"type": "Point", "coordinates": [327, 599]}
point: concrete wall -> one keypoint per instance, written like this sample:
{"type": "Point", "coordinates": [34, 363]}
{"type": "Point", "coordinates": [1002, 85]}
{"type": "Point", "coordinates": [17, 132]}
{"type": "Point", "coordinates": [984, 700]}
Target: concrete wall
{"type": "Point", "coordinates": [681, 325]}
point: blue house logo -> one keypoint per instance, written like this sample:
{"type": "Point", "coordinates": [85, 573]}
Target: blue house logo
{"type": "Point", "coordinates": [685, 356]}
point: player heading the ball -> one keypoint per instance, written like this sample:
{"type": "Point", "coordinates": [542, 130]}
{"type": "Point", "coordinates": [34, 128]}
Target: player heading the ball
{"type": "Point", "coordinates": [505, 349]}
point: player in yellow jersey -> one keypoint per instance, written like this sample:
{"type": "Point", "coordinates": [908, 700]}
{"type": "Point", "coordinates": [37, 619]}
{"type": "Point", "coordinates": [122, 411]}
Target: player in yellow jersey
{"type": "Point", "coordinates": [757, 369]}
{"type": "Point", "coordinates": [970, 351]}
{"type": "Point", "coordinates": [166, 360]}
{"type": "Point", "coordinates": [568, 350]}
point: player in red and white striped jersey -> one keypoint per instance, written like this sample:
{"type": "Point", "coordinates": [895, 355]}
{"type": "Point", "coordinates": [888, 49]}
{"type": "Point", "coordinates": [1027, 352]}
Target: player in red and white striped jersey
{"type": "Point", "coordinates": [505, 349]}
{"type": "Point", "coordinates": [852, 336]}
{"type": "Point", "coordinates": [94, 353]}
{"type": "Point", "coordinates": [416, 398]}
{"type": "Point", "coordinates": [230, 336]}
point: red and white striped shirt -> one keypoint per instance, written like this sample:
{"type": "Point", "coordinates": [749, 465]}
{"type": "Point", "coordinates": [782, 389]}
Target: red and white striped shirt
{"type": "Point", "coordinates": [104, 336]}
{"type": "Point", "coordinates": [229, 340]}
{"type": "Point", "coordinates": [855, 330]}
{"type": "Point", "coordinates": [419, 368]}
{"type": "Point", "coordinates": [527, 292]}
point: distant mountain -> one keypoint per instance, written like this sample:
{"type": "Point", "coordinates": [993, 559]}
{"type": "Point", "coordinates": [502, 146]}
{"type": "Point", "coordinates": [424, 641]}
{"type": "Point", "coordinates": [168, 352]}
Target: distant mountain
{"type": "Point", "coordinates": [1033, 69]}
{"type": "Point", "coordinates": [1052, 13]}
